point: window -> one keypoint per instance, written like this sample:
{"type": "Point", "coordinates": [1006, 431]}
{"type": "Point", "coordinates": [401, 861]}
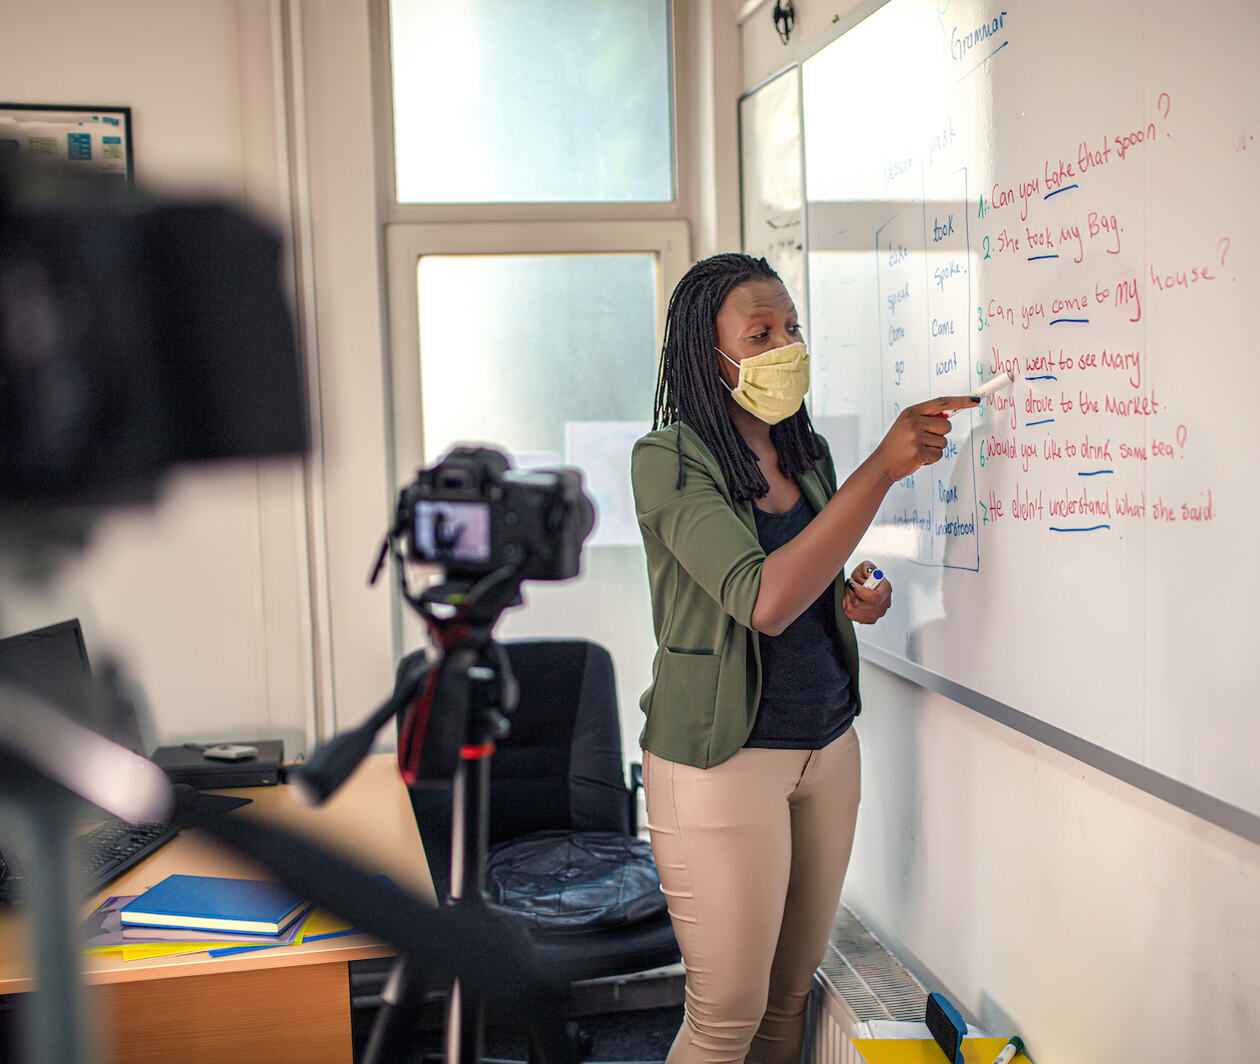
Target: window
{"type": "Point", "coordinates": [534, 231]}
{"type": "Point", "coordinates": [512, 101]}
{"type": "Point", "coordinates": [565, 341]}
{"type": "Point", "coordinates": [497, 338]}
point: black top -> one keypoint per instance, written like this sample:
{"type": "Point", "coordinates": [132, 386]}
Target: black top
{"type": "Point", "coordinates": [805, 698]}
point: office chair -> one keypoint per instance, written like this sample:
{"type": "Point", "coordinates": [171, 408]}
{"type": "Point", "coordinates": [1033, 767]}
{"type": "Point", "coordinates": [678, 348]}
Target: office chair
{"type": "Point", "coordinates": [559, 771]}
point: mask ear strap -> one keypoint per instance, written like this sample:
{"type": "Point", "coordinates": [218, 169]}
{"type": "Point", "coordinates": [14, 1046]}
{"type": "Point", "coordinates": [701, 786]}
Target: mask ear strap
{"type": "Point", "coordinates": [732, 362]}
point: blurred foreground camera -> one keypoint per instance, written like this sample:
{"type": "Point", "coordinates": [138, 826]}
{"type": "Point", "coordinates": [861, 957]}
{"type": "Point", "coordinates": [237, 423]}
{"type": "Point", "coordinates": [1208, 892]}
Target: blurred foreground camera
{"type": "Point", "coordinates": [134, 335]}
{"type": "Point", "coordinates": [473, 515]}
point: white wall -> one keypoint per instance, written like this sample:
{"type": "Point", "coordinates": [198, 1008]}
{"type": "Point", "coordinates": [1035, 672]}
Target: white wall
{"type": "Point", "coordinates": [225, 601]}
{"type": "Point", "coordinates": [1048, 898]}
{"type": "Point", "coordinates": [179, 591]}
{"type": "Point", "coordinates": [1042, 896]}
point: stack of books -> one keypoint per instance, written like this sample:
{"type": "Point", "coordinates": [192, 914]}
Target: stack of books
{"type": "Point", "coordinates": [187, 914]}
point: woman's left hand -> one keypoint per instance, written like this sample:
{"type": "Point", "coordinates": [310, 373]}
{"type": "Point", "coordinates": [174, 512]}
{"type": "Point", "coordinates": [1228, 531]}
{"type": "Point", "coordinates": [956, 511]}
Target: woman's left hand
{"type": "Point", "coordinates": [866, 605]}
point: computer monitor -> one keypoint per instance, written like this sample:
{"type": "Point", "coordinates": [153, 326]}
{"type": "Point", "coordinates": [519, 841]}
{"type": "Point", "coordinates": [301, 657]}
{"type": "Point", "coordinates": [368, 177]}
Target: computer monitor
{"type": "Point", "coordinates": [53, 663]}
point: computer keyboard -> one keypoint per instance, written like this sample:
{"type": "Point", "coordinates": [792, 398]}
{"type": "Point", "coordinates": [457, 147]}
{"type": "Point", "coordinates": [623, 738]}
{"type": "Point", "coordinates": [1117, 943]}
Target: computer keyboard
{"type": "Point", "coordinates": [105, 853]}
{"type": "Point", "coordinates": [109, 849]}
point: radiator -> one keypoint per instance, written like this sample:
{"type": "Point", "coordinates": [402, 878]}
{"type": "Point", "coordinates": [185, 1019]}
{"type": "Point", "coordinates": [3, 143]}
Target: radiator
{"type": "Point", "coordinates": [858, 982]}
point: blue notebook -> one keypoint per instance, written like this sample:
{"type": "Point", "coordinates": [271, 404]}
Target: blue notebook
{"type": "Point", "coordinates": [214, 903]}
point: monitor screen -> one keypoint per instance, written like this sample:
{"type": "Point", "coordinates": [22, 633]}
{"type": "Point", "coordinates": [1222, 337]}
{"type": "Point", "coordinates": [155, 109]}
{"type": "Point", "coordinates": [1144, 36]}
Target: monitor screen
{"type": "Point", "coordinates": [52, 662]}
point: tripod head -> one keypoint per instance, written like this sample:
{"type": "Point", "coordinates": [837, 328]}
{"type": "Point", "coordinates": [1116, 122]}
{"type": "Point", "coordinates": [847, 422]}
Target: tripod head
{"type": "Point", "coordinates": [457, 695]}
{"type": "Point", "coordinates": [463, 709]}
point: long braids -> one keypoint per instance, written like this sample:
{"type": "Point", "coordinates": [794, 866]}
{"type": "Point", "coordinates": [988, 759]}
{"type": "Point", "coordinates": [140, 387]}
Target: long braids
{"type": "Point", "coordinates": [688, 387]}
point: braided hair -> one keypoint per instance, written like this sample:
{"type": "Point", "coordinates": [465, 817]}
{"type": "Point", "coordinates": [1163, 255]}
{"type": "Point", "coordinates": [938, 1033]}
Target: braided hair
{"type": "Point", "coordinates": [689, 387]}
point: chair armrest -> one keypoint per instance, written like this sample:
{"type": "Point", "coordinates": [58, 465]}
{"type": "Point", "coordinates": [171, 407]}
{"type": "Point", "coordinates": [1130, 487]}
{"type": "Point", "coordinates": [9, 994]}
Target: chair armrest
{"type": "Point", "coordinates": [636, 785]}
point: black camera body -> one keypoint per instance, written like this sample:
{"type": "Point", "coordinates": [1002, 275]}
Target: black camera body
{"type": "Point", "coordinates": [135, 334]}
{"type": "Point", "coordinates": [474, 515]}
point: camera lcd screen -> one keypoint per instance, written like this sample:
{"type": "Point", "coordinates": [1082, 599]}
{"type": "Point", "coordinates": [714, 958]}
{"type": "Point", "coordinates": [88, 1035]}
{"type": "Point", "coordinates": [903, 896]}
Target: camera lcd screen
{"type": "Point", "coordinates": [453, 531]}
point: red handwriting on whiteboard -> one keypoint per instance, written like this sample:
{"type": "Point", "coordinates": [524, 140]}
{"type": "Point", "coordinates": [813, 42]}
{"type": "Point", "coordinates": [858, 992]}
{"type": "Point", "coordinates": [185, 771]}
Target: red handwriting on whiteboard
{"type": "Point", "coordinates": [1129, 296]}
{"type": "Point", "coordinates": [1166, 280]}
{"type": "Point", "coordinates": [1119, 406]}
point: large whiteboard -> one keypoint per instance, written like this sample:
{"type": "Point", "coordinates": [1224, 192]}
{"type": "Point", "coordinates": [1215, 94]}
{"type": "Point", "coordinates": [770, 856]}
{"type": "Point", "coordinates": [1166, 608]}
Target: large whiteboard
{"type": "Point", "coordinates": [1069, 189]}
{"type": "Point", "coordinates": [771, 183]}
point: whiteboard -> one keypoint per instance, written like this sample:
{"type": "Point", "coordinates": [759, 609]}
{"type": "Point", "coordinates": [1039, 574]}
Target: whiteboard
{"type": "Point", "coordinates": [1066, 189]}
{"type": "Point", "coordinates": [771, 179]}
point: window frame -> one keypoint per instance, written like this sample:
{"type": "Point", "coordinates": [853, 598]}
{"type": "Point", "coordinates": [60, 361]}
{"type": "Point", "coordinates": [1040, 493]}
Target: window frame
{"type": "Point", "coordinates": [407, 244]}
{"type": "Point", "coordinates": [395, 212]}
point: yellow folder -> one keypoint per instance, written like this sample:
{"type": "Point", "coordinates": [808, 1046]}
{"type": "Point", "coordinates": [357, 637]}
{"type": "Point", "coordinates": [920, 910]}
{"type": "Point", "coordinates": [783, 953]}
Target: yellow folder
{"type": "Point", "coordinates": [926, 1051]}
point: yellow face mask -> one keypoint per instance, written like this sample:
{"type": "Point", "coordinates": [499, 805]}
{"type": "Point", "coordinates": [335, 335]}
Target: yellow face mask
{"type": "Point", "coordinates": [773, 384]}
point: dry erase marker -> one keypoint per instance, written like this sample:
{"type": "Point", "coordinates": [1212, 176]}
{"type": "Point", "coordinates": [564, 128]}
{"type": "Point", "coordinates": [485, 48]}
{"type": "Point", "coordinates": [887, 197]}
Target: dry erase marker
{"type": "Point", "coordinates": [1015, 1045]}
{"type": "Point", "coordinates": [991, 386]}
{"type": "Point", "coordinates": [988, 388]}
{"type": "Point", "coordinates": [872, 579]}
{"type": "Point", "coordinates": [945, 414]}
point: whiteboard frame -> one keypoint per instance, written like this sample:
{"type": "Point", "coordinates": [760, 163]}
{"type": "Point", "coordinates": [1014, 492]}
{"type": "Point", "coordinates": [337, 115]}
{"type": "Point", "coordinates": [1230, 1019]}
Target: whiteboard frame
{"type": "Point", "coordinates": [1195, 802]}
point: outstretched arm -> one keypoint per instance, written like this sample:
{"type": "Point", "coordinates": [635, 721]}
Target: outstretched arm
{"type": "Point", "coordinates": [795, 575]}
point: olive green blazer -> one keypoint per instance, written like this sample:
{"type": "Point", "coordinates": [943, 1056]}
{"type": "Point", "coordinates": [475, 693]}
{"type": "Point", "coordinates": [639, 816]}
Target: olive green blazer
{"type": "Point", "coordinates": [704, 568]}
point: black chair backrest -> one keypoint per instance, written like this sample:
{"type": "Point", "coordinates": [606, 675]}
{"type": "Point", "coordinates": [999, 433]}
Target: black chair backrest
{"type": "Point", "coordinates": [560, 768]}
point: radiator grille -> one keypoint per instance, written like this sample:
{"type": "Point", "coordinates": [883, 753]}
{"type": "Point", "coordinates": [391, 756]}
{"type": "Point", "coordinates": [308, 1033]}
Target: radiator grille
{"type": "Point", "coordinates": [859, 981]}
{"type": "Point", "coordinates": [870, 981]}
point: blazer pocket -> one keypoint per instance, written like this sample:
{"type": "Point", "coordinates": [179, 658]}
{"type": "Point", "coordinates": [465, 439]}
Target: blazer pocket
{"type": "Point", "coordinates": [688, 682]}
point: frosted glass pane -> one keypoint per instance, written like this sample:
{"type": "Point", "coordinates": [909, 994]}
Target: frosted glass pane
{"type": "Point", "coordinates": [515, 101]}
{"type": "Point", "coordinates": [515, 347]}
{"type": "Point", "coordinates": [552, 358]}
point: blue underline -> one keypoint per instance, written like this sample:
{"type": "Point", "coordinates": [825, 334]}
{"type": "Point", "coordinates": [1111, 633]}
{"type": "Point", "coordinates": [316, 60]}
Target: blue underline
{"type": "Point", "coordinates": [1072, 321]}
{"type": "Point", "coordinates": [1043, 377]}
{"type": "Point", "coordinates": [1038, 258]}
{"type": "Point", "coordinates": [1092, 528]}
{"type": "Point", "coordinates": [982, 62]}
{"type": "Point", "coordinates": [1043, 421]}
{"type": "Point", "coordinates": [1095, 473]}
{"type": "Point", "coordinates": [1058, 190]}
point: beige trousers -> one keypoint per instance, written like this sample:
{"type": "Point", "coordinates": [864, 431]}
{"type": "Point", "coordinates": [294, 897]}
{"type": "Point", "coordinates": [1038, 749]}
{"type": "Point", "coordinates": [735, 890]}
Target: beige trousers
{"type": "Point", "coordinates": [752, 855]}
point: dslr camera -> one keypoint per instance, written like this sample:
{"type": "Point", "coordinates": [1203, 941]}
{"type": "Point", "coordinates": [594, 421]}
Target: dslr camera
{"type": "Point", "coordinates": [474, 515]}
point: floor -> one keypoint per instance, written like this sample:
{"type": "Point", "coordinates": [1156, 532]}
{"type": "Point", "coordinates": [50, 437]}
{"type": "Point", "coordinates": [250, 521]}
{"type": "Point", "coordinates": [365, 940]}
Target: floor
{"type": "Point", "coordinates": [640, 1036]}
{"type": "Point", "coordinates": [625, 1020]}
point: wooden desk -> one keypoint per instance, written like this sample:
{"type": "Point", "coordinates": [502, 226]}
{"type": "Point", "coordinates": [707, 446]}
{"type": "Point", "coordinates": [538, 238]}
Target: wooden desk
{"type": "Point", "coordinates": [286, 1004]}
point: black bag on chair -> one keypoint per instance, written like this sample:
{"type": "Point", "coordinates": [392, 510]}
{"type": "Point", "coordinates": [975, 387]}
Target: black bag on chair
{"type": "Point", "coordinates": [564, 857]}
{"type": "Point", "coordinates": [564, 882]}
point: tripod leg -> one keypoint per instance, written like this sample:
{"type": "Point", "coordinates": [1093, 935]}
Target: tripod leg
{"type": "Point", "coordinates": [53, 1016]}
{"type": "Point", "coordinates": [465, 1028]}
{"type": "Point", "coordinates": [394, 1030]}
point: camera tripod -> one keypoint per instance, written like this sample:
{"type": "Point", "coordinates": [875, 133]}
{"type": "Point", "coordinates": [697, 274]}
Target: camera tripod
{"type": "Point", "coordinates": [452, 711]}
